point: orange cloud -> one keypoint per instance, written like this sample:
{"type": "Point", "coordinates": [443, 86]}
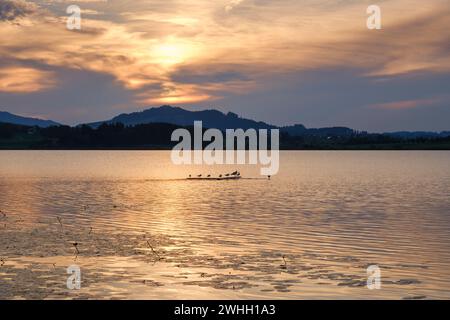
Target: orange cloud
{"type": "Point", "coordinates": [25, 80]}
{"type": "Point", "coordinates": [406, 104]}
{"type": "Point", "coordinates": [147, 45]}
{"type": "Point", "coordinates": [174, 94]}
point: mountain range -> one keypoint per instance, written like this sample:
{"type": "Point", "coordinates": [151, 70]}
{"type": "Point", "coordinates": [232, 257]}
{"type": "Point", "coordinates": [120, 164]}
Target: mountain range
{"type": "Point", "coordinates": [7, 117]}
{"type": "Point", "coordinates": [212, 119]}
{"type": "Point", "coordinates": [182, 117]}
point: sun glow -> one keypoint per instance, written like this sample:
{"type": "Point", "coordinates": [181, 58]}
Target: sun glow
{"type": "Point", "coordinates": [182, 99]}
{"type": "Point", "coordinates": [168, 54]}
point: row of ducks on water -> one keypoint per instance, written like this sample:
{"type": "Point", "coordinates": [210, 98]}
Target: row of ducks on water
{"type": "Point", "coordinates": [234, 174]}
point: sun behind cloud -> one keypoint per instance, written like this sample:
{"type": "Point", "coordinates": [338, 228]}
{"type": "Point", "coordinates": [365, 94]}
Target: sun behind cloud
{"type": "Point", "coordinates": [170, 51]}
{"type": "Point", "coordinates": [167, 54]}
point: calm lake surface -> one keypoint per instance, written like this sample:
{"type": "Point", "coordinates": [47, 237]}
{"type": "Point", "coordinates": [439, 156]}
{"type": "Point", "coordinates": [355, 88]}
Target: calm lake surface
{"type": "Point", "coordinates": [145, 232]}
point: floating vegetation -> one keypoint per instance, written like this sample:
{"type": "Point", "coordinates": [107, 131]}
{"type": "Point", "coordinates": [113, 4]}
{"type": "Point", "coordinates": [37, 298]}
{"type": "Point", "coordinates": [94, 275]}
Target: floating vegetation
{"type": "Point", "coordinates": [257, 271]}
{"type": "Point", "coordinates": [60, 221]}
{"type": "Point", "coordinates": [284, 266]}
{"type": "Point", "coordinates": [75, 245]}
{"type": "Point", "coordinates": [407, 281]}
{"type": "Point", "coordinates": [153, 250]}
{"type": "Point", "coordinates": [414, 298]}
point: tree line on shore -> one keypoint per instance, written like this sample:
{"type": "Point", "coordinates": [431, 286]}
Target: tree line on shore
{"type": "Point", "coordinates": [158, 136]}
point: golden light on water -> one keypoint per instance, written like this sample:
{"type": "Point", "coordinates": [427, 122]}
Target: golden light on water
{"type": "Point", "coordinates": [145, 232]}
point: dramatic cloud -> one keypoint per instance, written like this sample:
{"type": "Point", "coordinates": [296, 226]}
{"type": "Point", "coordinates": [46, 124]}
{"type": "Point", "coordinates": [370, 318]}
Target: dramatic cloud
{"type": "Point", "coordinates": [203, 51]}
{"type": "Point", "coordinates": [12, 9]}
{"type": "Point", "coordinates": [24, 80]}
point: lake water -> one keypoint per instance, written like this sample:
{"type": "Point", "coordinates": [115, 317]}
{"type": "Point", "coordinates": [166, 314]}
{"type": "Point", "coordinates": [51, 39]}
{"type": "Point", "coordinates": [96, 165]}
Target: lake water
{"type": "Point", "coordinates": [142, 231]}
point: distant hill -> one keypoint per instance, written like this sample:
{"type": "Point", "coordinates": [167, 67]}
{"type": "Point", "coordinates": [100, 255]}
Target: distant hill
{"type": "Point", "coordinates": [182, 117]}
{"type": "Point", "coordinates": [7, 117]}
{"type": "Point", "coordinates": [418, 134]}
{"type": "Point", "coordinates": [300, 130]}
{"type": "Point", "coordinates": [222, 121]}
{"type": "Point", "coordinates": [215, 119]}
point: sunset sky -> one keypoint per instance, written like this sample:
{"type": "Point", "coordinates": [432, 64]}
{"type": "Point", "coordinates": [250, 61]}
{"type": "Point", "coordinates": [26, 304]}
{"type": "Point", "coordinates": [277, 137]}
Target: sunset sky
{"type": "Point", "coordinates": [281, 61]}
